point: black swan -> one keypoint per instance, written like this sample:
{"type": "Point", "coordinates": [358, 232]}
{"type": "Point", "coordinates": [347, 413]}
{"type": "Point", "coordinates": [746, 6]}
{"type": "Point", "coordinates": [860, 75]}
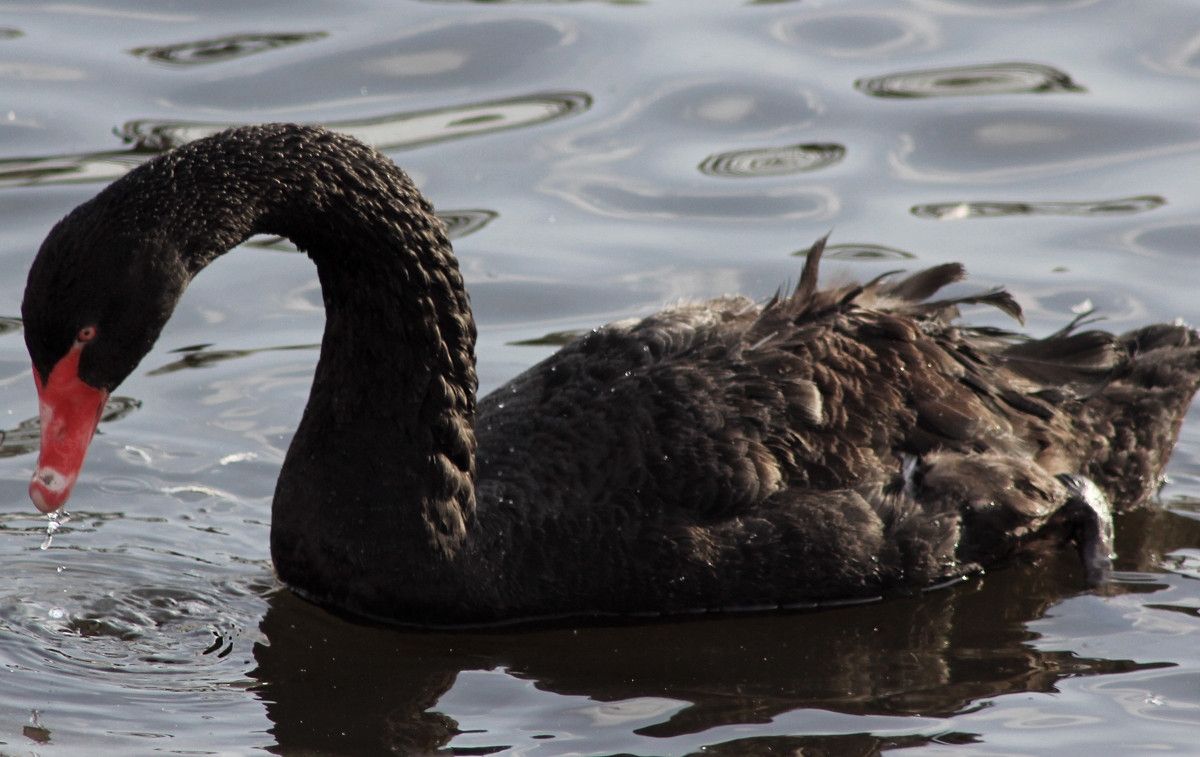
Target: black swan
{"type": "Point", "coordinates": [826, 446]}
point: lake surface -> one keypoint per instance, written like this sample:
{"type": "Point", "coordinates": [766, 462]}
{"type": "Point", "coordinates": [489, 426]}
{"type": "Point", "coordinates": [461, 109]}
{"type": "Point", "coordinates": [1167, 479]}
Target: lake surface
{"type": "Point", "coordinates": [596, 160]}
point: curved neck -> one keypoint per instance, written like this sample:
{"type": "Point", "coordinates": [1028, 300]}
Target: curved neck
{"type": "Point", "coordinates": [383, 458]}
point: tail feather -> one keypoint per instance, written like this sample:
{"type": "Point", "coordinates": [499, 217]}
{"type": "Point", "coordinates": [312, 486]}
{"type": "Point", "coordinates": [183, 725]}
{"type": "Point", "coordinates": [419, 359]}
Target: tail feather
{"type": "Point", "coordinates": [1075, 360]}
{"type": "Point", "coordinates": [1137, 416]}
{"type": "Point", "coordinates": [924, 284]}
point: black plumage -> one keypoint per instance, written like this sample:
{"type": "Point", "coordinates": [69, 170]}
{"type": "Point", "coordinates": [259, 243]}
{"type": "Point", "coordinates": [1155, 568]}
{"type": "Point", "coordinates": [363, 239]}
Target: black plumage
{"type": "Point", "coordinates": [828, 445]}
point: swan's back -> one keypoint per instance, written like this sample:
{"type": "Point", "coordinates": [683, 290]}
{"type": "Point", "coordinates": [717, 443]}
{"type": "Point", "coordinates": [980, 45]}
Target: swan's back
{"type": "Point", "coordinates": [830, 444]}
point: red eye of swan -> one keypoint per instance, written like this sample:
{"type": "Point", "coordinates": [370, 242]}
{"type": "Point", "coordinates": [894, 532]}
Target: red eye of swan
{"type": "Point", "coordinates": [86, 334]}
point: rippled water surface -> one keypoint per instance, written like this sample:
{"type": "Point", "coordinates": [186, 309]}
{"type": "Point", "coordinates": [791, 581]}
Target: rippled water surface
{"type": "Point", "coordinates": [595, 160]}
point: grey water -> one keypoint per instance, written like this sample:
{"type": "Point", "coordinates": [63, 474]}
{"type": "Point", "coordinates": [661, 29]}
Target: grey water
{"type": "Point", "coordinates": [595, 161]}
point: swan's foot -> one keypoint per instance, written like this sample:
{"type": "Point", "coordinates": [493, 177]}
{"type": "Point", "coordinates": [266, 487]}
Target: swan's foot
{"type": "Point", "coordinates": [1089, 517]}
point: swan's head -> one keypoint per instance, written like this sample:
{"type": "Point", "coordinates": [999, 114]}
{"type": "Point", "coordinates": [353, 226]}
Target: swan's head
{"type": "Point", "coordinates": [95, 301]}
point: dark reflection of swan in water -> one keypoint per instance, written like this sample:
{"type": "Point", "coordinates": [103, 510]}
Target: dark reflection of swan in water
{"type": "Point", "coordinates": [392, 132]}
{"type": "Point", "coordinates": [333, 687]}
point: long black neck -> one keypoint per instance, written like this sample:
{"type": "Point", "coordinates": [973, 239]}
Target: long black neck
{"type": "Point", "coordinates": [379, 476]}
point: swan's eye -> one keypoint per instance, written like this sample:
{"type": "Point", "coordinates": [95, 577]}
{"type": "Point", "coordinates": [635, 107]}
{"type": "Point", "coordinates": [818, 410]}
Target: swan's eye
{"type": "Point", "coordinates": [86, 334]}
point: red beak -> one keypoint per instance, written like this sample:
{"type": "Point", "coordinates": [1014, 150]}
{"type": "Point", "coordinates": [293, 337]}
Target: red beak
{"type": "Point", "coordinates": [70, 411]}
